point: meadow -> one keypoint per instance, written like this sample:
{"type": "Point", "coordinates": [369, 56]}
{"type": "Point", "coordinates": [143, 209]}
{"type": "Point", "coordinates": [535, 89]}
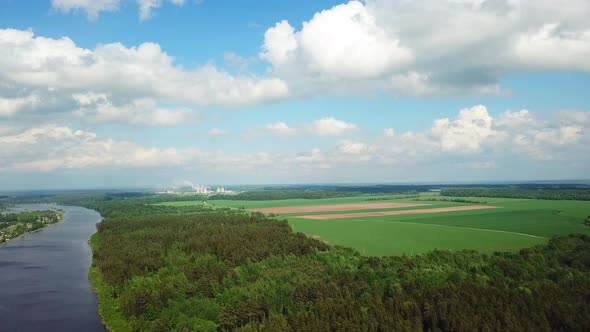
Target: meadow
{"type": "Point", "coordinates": [515, 224]}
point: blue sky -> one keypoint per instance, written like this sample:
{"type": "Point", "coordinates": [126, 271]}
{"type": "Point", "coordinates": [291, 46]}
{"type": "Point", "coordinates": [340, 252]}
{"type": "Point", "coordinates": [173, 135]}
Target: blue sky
{"type": "Point", "coordinates": [121, 93]}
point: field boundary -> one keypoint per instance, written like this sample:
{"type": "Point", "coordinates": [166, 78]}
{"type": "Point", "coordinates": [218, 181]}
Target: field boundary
{"type": "Point", "coordinates": [398, 212]}
{"type": "Point", "coordinates": [451, 226]}
{"type": "Point", "coordinates": [335, 207]}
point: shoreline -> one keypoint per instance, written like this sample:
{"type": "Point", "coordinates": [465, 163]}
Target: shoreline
{"type": "Point", "coordinates": [37, 230]}
{"type": "Point", "coordinates": [110, 317]}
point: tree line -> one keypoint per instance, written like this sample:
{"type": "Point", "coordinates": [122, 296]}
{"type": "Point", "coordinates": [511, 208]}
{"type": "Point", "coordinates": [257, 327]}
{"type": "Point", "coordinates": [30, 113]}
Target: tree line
{"type": "Point", "coordinates": [550, 194]}
{"type": "Point", "coordinates": [196, 268]}
{"type": "Point", "coordinates": [266, 195]}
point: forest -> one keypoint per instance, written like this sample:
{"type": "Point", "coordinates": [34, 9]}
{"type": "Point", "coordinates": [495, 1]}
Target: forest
{"type": "Point", "coordinates": [266, 195]}
{"type": "Point", "coordinates": [196, 268]}
{"type": "Point", "coordinates": [546, 193]}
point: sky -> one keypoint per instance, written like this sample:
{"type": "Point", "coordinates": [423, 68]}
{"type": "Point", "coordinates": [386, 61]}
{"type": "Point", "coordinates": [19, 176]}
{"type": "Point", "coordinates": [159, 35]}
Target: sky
{"type": "Point", "coordinates": [159, 93]}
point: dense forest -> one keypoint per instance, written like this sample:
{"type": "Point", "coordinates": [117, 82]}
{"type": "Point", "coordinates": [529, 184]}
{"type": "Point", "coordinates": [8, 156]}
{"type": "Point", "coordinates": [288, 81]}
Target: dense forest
{"type": "Point", "coordinates": [162, 268]}
{"type": "Point", "coordinates": [416, 188]}
{"type": "Point", "coordinates": [555, 194]}
{"type": "Point", "coordinates": [266, 195]}
{"type": "Point", "coordinates": [455, 200]}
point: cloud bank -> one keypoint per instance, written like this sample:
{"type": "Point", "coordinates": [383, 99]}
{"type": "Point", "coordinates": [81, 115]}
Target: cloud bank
{"type": "Point", "coordinates": [473, 139]}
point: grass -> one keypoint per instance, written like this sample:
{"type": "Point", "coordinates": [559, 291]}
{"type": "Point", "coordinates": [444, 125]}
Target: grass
{"type": "Point", "coordinates": [394, 238]}
{"type": "Point", "coordinates": [519, 223]}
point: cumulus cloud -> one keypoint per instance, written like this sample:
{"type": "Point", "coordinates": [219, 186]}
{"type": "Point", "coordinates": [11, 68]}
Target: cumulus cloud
{"type": "Point", "coordinates": [331, 127]}
{"type": "Point", "coordinates": [279, 42]}
{"type": "Point", "coordinates": [515, 119]}
{"type": "Point", "coordinates": [352, 147]}
{"type": "Point", "coordinates": [38, 62]}
{"type": "Point", "coordinates": [342, 42]}
{"type": "Point", "coordinates": [554, 46]}
{"type": "Point", "coordinates": [217, 132]}
{"type": "Point", "coordinates": [559, 136]}
{"type": "Point", "coordinates": [98, 108]}
{"type": "Point", "coordinates": [51, 147]}
{"type": "Point", "coordinates": [52, 70]}
{"type": "Point", "coordinates": [279, 128]}
{"type": "Point", "coordinates": [474, 132]}
{"type": "Point", "coordinates": [472, 127]}
{"type": "Point", "coordinates": [328, 126]}
{"type": "Point", "coordinates": [432, 47]}
{"type": "Point", "coordinates": [388, 132]}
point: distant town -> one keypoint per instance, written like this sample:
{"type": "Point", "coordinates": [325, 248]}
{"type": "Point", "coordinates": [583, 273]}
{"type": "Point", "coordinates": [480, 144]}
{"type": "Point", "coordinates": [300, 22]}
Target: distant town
{"type": "Point", "coordinates": [199, 190]}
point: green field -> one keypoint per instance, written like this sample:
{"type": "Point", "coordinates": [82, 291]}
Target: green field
{"type": "Point", "coordinates": [518, 223]}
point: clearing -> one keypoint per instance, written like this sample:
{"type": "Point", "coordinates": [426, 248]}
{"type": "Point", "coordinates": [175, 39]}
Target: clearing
{"type": "Point", "coordinates": [515, 224]}
{"type": "Point", "coordinates": [397, 213]}
{"type": "Point", "coordinates": [334, 207]}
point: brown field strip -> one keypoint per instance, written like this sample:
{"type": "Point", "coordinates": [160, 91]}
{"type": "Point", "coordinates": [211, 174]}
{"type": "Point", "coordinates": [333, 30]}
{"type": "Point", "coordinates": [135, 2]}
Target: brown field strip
{"type": "Point", "coordinates": [335, 207]}
{"type": "Point", "coordinates": [397, 213]}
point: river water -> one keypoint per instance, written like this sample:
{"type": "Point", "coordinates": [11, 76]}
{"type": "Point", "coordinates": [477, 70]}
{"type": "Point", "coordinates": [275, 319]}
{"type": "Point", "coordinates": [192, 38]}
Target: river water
{"type": "Point", "coordinates": [44, 276]}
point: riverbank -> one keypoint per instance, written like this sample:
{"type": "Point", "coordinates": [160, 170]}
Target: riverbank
{"type": "Point", "coordinates": [18, 229]}
{"type": "Point", "coordinates": [109, 313]}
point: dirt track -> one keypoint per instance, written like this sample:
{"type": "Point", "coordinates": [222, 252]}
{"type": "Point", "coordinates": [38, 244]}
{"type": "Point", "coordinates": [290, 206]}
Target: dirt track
{"type": "Point", "coordinates": [397, 213]}
{"type": "Point", "coordinates": [335, 207]}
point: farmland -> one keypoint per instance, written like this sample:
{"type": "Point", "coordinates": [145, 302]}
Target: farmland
{"type": "Point", "coordinates": [514, 224]}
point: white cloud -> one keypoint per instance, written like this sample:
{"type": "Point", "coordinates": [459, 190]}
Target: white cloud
{"type": "Point", "coordinates": [342, 42]}
{"type": "Point", "coordinates": [11, 106]}
{"type": "Point", "coordinates": [48, 148]}
{"type": "Point", "coordinates": [575, 117]}
{"type": "Point", "coordinates": [406, 48]}
{"type": "Point", "coordinates": [91, 7]}
{"type": "Point", "coordinates": [467, 133]}
{"type": "Point", "coordinates": [328, 126]}
{"type": "Point", "coordinates": [514, 135]}
{"type": "Point", "coordinates": [146, 7]}
{"type": "Point", "coordinates": [555, 47]}
{"type": "Point", "coordinates": [94, 7]}
{"type": "Point", "coordinates": [515, 119]}
{"type": "Point", "coordinates": [279, 128]}
{"type": "Point", "coordinates": [217, 132]}
{"type": "Point", "coordinates": [55, 69]}
{"type": "Point", "coordinates": [430, 47]}
{"type": "Point", "coordinates": [97, 108]}
{"type": "Point", "coordinates": [279, 41]}
{"type": "Point", "coordinates": [557, 138]}
{"type": "Point", "coordinates": [388, 132]}
{"type": "Point", "coordinates": [352, 147]}
{"type": "Point", "coordinates": [331, 127]}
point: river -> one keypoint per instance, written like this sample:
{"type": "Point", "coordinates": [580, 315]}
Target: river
{"type": "Point", "coordinates": [44, 276]}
